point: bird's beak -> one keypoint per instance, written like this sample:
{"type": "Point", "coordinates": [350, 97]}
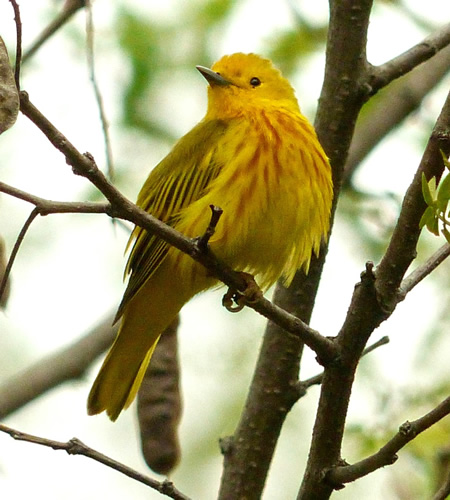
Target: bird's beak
{"type": "Point", "coordinates": [213, 77]}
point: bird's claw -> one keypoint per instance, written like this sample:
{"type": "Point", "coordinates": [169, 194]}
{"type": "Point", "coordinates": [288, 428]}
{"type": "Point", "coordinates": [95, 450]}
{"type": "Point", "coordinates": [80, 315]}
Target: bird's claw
{"type": "Point", "coordinates": [235, 300]}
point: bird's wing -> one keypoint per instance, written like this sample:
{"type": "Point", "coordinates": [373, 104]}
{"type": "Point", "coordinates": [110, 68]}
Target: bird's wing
{"type": "Point", "coordinates": [181, 178]}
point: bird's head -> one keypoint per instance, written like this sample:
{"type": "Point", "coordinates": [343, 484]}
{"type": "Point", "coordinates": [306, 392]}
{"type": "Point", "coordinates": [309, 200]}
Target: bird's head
{"type": "Point", "coordinates": [240, 82]}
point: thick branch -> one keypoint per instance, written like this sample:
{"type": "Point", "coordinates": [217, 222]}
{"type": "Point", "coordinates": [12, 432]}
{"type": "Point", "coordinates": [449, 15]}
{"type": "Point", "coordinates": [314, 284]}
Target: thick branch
{"type": "Point", "coordinates": [76, 447]}
{"type": "Point", "coordinates": [402, 247]}
{"type": "Point", "coordinates": [373, 301]}
{"type": "Point", "coordinates": [387, 454]}
{"type": "Point", "coordinates": [272, 391]}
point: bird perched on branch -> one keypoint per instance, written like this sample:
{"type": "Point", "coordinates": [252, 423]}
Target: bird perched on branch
{"type": "Point", "coordinates": [256, 157]}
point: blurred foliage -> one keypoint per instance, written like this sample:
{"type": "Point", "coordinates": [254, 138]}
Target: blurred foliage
{"type": "Point", "coordinates": [437, 215]}
{"type": "Point", "coordinates": [372, 215]}
{"type": "Point", "coordinates": [153, 48]}
{"type": "Point", "coordinates": [291, 46]}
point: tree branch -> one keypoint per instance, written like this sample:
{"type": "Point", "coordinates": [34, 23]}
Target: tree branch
{"type": "Point", "coordinates": [69, 9]}
{"type": "Point", "coordinates": [96, 87]}
{"type": "Point", "coordinates": [66, 364]}
{"type": "Point", "coordinates": [423, 271]}
{"type": "Point", "coordinates": [387, 454]}
{"type": "Point", "coordinates": [374, 299]}
{"type": "Point", "coordinates": [402, 246]}
{"type": "Point", "coordinates": [18, 24]}
{"type": "Point", "coordinates": [76, 447]}
{"type": "Point", "coordinates": [4, 283]}
{"type": "Point", "coordinates": [303, 385]}
{"type": "Point", "coordinates": [444, 490]}
{"type": "Point", "coordinates": [47, 207]}
{"type": "Point", "coordinates": [393, 106]}
{"type": "Point", "coordinates": [273, 388]}
{"type": "Point", "coordinates": [382, 75]}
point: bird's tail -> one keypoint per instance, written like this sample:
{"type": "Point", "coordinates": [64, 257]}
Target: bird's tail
{"type": "Point", "coordinates": [145, 317]}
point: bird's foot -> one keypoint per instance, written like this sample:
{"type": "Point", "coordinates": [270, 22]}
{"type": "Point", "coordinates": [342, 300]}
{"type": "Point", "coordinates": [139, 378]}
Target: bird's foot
{"type": "Point", "coordinates": [235, 300]}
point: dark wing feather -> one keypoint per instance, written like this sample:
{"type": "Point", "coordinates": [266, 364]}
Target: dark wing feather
{"type": "Point", "coordinates": [181, 178]}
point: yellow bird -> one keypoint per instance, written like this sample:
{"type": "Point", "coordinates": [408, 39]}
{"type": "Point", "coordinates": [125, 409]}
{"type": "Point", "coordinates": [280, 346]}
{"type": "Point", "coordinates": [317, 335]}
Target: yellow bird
{"type": "Point", "coordinates": [258, 158]}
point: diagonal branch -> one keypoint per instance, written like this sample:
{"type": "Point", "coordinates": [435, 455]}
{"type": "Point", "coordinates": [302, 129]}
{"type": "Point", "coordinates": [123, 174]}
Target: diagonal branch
{"type": "Point", "coordinates": [402, 246]}
{"type": "Point", "coordinates": [387, 454]}
{"type": "Point", "coordinates": [392, 107]}
{"type": "Point", "coordinates": [76, 447]}
{"type": "Point", "coordinates": [121, 207]}
{"type": "Point", "coordinates": [69, 9]}
{"type": "Point", "coordinates": [444, 491]}
{"type": "Point", "coordinates": [423, 271]}
{"type": "Point", "coordinates": [374, 299]}
{"type": "Point", "coordinates": [66, 364]}
{"type": "Point", "coordinates": [380, 76]}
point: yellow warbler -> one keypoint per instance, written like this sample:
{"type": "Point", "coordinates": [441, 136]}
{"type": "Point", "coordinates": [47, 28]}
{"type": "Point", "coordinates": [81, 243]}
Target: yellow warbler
{"type": "Point", "coordinates": [258, 158]}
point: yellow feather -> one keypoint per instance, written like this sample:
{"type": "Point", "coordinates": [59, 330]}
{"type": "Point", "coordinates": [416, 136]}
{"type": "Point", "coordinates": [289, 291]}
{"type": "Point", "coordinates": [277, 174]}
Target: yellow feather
{"type": "Point", "coordinates": [258, 158]}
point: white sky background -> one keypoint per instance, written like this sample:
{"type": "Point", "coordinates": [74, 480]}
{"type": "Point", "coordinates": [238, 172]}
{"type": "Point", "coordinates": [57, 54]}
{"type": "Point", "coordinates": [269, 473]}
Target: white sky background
{"type": "Point", "coordinates": [76, 274]}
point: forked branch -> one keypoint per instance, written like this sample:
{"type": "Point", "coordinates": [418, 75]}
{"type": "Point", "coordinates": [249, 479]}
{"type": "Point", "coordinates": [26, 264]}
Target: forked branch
{"type": "Point", "coordinates": [387, 455]}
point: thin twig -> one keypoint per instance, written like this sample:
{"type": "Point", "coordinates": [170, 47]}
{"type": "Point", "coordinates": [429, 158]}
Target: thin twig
{"type": "Point", "coordinates": [43, 207]}
{"type": "Point", "coordinates": [387, 454]}
{"type": "Point", "coordinates": [34, 213]}
{"type": "Point", "coordinates": [302, 386]}
{"type": "Point", "coordinates": [69, 9]}
{"type": "Point", "coordinates": [76, 447]}
{"type": "Point", "coordinates": [423, 271]}
{"type": "Point", "coordinates": [47, 207]}
{"type": "Point", "coordinates": [98, 95]}
{"type": "Point", "coordinates": [18, 21]}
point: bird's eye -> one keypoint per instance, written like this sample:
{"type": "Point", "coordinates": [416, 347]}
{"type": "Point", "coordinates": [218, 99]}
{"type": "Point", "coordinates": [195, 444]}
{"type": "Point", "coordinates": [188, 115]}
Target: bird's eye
{"type": "Point", "coordinates": [255, 82]}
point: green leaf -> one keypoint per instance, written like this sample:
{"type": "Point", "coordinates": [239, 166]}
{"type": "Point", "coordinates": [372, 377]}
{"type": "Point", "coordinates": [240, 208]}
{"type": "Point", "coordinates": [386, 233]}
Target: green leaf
{"type": "Point", "coordinates": [432, 187]}
{"type": "Point", "coordinates": [427, 215]}
{"type": "Point", "coordinates": [445, 159]}
{"type": "Point", "coordinates": [426, 190]}
{"type": "Point", "coordinates": [446, 234]}
{"type": "Point", "coordinates": [433, 225]}
{"type": "Point", "coordinates": [443, 194]}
